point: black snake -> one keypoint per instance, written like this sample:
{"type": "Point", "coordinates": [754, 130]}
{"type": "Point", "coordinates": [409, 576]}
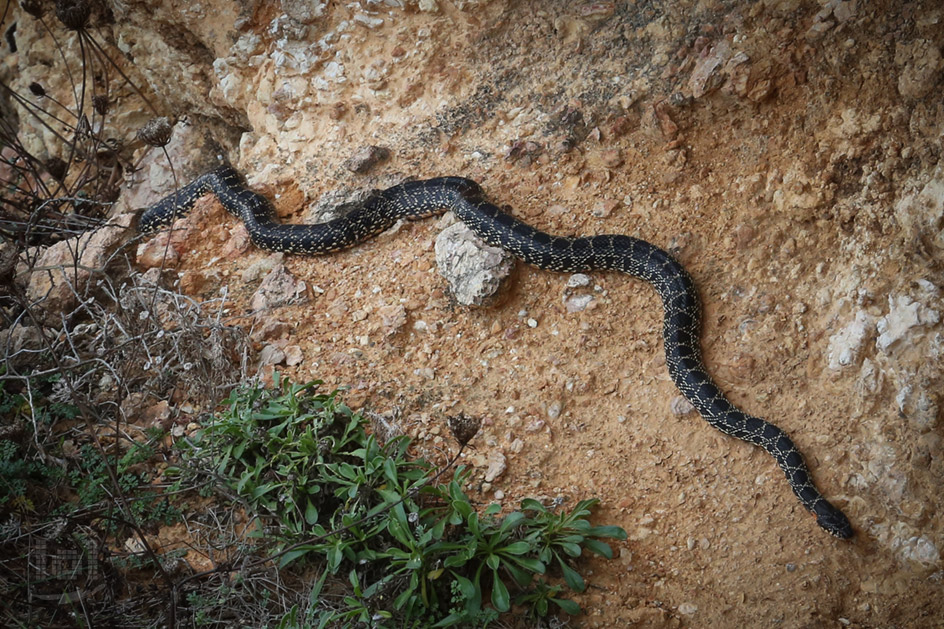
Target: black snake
{"type": "Point", "coordinates": [417, 199]}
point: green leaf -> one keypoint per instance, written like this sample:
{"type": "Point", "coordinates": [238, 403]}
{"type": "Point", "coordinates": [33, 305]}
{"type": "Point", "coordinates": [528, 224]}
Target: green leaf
{"type": "Point", "coordinates": [598, 547]}
{"type": "Point", "coordinates": [473, 522]}
{"type": "Point", "coordinates": [530, 504]}
{"type": "Point", "coordinates": [311, 514]}
{"type": "Point", "coordinates": [466, 588]}
{"type": "Point", "coordinates": [511, 520]}
{"type": "Point", "coordinates": [390, 472]}
{"type": "Point", "coordinates": [571, 549]}
{"type": "Point", "coordinates": [438, 529]}
{"type": "Point", "coordinates": [567, 605]}
{"type": "Point", "coordinates": [455, 561]}
{"type": "Point", "coordinates": [516, 548]}
{"type": "Point", "coordinates": [583, 507]}
{"type": "Point", "coordinates": [397, 526]}
{"type": "Point", "coordinates": [615, 532]}
{"type": "Point", "coordinates": [335, 555]}
{"type": "Point", "coordinates": [292, 555]}
{"type": "Point", "coordinates": [464, 509]}
{"type": "Point", "coordinates": [389, 497]}
{"type": "Point", "coordinates": [521, 577]}
{"type": "Point", "coordinates": [401, 600]}
{"type": "Point", "coordinates": [572, 577]}
{"type": "Point", "coordinates": [315, 593]}
{"type": "Point", "coordinates": [529, 563]}
{"type": "Point", "coordinates": [572, 539]}
{"type": "Point", "coordinates": [492, 562]}
{"type": "Point", "coordinates": [500, 598]}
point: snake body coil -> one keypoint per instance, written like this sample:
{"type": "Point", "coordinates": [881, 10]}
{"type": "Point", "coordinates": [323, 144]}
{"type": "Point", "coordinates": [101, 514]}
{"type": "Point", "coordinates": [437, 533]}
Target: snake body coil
{"type": "Point", "coordinates": [417, 199]}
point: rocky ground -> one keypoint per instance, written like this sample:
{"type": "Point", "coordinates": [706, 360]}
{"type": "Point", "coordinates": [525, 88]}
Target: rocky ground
{"type": "Point", "coordinates": [787, 152]}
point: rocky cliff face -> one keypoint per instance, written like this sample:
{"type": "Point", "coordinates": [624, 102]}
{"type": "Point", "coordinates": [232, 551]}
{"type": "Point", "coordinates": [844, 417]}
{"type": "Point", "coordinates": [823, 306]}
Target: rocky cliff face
{"type": "Point", "coordinates": [787, 152]}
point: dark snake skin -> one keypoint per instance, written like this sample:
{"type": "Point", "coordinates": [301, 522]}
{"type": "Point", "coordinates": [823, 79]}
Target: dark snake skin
{"type": "Point", "coordinates": [418, 199]}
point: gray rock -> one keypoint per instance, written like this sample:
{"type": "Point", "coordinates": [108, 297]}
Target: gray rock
{"type": "Point", "coordinates": [61, 274]}
{"type": "Point", "coordinates": [366, 157]}
{"type": "Point", "coordinates": [578, 303]}
{"type": "Point", "coordinates": [473, 269]}
{"type": "Point", "coordinates": [903, 315]}
{"type": "Point", "coordinates": [278, 289]}
{"type": "Point", "coordinates": [271, 355]}
{"type": "Point", "coordinates": [681, 406]}
{"type": "Point", "coordinates": [845, 344]}
{"type": "Point", "coordinates": [497, 464]}
{"type": "Point", "coordinates": [577, 280]}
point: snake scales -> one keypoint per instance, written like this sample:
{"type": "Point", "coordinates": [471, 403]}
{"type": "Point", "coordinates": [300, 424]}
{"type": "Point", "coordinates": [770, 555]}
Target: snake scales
{"type": "Point", "coordinates": [417, 199]}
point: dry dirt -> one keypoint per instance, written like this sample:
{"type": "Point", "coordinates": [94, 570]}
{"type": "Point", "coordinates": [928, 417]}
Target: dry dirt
{"type": "Point", "coordinates": [771, 146]}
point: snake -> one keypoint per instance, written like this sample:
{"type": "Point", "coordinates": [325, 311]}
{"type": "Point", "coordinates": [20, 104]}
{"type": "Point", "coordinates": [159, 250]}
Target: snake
{"type": "Point", "coordinates": [417, 199]}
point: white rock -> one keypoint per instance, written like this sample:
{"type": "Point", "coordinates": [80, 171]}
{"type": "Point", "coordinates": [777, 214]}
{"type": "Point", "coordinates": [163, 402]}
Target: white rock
{"type": "Point", "coordinates": [920, 213]}
{"type": "Point", "coordinates": [687, 609]}
{"type": "Point", "coordinates": [577, 280]}
{"type": "Point", "coordinates": [916, 548]}
{"type": "Point", "coordinates": [554, 409]}
{"type": "Point", "coordinates": [473, 269]}
{"type": "Point", "coordinates": [368, 21]}
{"type": "Point", "coordinates": [578, 303]}
{"type": "Point", "coordinates": [903, 314]}
{"type": "Point", "coordinates": [681, 406]}
{"type": "Point", "coordinates": [845, 344]}
{"type": "Point", "coordinates": [496, 465]}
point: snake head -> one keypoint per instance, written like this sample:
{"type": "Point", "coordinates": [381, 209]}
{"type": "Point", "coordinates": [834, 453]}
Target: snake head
{"type": "Point", "coordinates": [833, 520]}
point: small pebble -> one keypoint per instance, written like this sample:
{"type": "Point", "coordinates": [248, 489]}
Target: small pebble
{"type": "Point", "coordinates": [577, 280]}
{"type": "Point", "coordinates": [578, 303]}
{"type": "Point", "coordinates": [365, 158]}
{"type": "Point", "coordinates": [681, 406]}
{"type": "Point", "coordinates": [554, 409]}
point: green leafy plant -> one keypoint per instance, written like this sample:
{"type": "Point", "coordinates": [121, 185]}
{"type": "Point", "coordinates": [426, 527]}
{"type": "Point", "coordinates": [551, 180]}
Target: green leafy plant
{"type": "Point", "coordinates": [407, 550]}
{"type": "Point", "coordinates": [20, 465]}
{"type": "Point", "coordinates": [17, 472]}
{"type": "Point", "coordinates": [91, 481]}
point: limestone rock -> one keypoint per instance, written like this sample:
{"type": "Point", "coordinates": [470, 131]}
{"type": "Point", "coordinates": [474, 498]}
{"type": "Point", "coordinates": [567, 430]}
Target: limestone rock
{"type": "Point", "coordinates": [278, 289]}
{"type": "Point", "coordinates": [62, 271]}
{"type": "Point", "coordinates": [921, 65]}
{"type": "Point", "coordinates": [903, 315]}
{"type": "Point", "coordinates": [474, 270]}
{"type": "Point", "coordinates": [497, 463]}
{"type": "Point", "coordinates": [845, 344]}
{"type": "Point", "coordinates": [921, 214]}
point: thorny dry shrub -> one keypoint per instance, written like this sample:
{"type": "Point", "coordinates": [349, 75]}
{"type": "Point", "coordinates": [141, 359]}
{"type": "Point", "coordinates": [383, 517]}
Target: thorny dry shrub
{"type": "Point", "coordinates": [63, 185]}
{"type": "Point", "coordinates": [98, 363]}
{"type": "Point", "coordinates": [78, 449]}
{"type": "Point", "coordinates": [126, 339]}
